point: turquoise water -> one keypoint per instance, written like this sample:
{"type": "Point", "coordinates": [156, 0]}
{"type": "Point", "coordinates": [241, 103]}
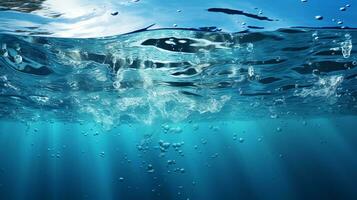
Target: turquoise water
{"type": "Point", "coordinates": [171, 100]}
{"type": "Point", "coordinates": [262, 159]}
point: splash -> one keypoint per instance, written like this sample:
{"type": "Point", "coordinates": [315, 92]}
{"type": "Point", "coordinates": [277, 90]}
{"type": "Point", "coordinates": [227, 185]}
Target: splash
{"type": "Point", "coordinates": [177, 75]}
{"type": "Point", "coordinates": [346, 46]}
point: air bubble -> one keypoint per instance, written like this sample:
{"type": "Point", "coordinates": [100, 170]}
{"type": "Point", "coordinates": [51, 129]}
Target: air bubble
{"type": "Point", "coordinates": [250, 47]}
{"type": "Point", "coordinates": [315, 36]}
{"type": "Point", "coordinates": [150, 168]}
{"type": "Point", "coordinates": [315, 72]}
{"type": "Point", "coordinates": [250, 71]}
{"type": "Point", "coordinates": [18, 59]}
{"type": "Point", "coordinates": [235, 136]}
{"type": "Point", "coordinates": [182, 41]}
{"type": "Point", "coordinates": [319, 17]}
{"type": "Point", "coordinates": [274, 116]}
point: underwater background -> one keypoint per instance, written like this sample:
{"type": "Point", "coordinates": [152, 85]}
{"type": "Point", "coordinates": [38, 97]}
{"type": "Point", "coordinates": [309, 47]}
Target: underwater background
{"type": "Point", "coordinates": [144, 99]}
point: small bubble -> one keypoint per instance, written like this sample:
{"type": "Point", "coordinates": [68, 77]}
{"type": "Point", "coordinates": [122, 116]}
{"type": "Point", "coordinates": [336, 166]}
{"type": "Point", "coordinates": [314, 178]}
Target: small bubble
{"type": "Point", "coordinates": [241, 140]}
{"type": "Point", "coordinates": [304, 1]}
{"type": "Point", "coordinates": [234, 136]}
{"type": "Point", "coordinates": [150, 168]}
{"type": "Point", "coordinates": [278, 129]}
{"type": "Point", "coordinates": [182, 41]}
{"type": "Point", "coordinates": [114, 13]}
{"type": "Point", "coordinates": [18, 59]}
{"type": "Point", "coordinates": [102, 154]}
{"type": "Point", "coordinates": [274, 116]}
{"type": "Point", "coordinates": [343, 9]}
{"type": "Point", "coordinates": [315, 72]}
{"type": "Point", "coordinates": [319, 17]}
{"type": "Point", "coordinates": [121, 179]}
{"type": "Point", "coordinates": [250, 71]}
{"type": "Point", "coordinates": [315, 36]}
{"type": "Point", "coordinates": [174, 25]}
{"type": "Point", "coordinates": [171, 162]}
{"type": "Point", "coordinates": [250, 47]}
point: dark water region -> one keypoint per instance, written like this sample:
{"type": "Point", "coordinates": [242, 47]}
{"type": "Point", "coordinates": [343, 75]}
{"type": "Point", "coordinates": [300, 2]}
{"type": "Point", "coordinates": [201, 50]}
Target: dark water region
{"type": "Point", "coordinates": [191, 100]}
{"type": "Point", "coordinates": [261, 159]}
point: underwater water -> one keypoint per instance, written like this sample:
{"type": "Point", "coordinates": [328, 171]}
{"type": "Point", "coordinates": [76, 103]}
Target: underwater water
{"type": "Point", "coordinates": [126, 100]}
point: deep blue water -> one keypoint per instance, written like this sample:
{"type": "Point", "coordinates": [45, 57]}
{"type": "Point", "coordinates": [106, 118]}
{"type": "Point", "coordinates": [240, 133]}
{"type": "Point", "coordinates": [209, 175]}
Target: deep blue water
{"type": "Point", "coordinates": [307, 159]}
{"type": "Point", "coordinates": [172, 100]}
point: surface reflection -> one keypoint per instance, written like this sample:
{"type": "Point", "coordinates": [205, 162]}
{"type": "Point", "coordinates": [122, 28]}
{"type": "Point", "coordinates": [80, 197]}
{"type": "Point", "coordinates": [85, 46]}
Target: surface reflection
{"type": "Point", "coordinates": [94, 18]}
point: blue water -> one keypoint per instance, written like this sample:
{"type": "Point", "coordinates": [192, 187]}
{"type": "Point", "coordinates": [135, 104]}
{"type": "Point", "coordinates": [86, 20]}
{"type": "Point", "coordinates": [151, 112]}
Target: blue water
{"type": "Point", "coordinates": [171, 100]}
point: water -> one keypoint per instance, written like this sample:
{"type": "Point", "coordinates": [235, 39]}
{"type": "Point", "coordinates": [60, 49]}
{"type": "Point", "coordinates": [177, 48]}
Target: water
{"type": "Point", "coordinates": [175, 108]}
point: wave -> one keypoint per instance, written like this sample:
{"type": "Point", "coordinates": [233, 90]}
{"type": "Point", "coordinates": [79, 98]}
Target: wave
{"type": "Point", "coordinates": [177, 74]}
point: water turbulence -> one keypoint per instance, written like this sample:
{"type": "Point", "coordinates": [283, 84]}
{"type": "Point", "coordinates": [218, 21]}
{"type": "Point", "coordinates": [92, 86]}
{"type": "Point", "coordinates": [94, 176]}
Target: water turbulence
{"type": "Point", "coordinates": [179, 74]}
{"type": "Point", "coordinates": [181, 100]}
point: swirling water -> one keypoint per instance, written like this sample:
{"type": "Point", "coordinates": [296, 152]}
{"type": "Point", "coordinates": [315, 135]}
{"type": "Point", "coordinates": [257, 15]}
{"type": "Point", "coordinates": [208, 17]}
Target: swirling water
{"type": "Point", "coordinates": [174, 113]}
{"type": "Point", "coordinates": [177, 75]}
